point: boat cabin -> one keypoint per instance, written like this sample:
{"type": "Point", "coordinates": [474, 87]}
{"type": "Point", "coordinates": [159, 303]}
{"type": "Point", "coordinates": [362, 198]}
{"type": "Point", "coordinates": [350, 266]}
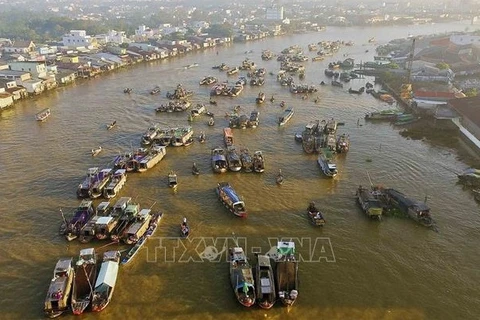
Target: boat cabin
{"type": "Point", "coordinates": [86, 256]}
{"type": "Point", "coordinates": [138, 228]}
{"type": "Point", "coordinates": [104, 225]}
{"type": "Point", "coordinates": [104, 208]}
{"type": "Point", "coordinates": [120, 206]}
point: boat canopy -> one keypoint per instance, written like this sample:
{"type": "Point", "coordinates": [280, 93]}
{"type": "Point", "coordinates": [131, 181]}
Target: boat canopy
{"type": "Point", "coordinates": [63, 266]}
{"type": "Point", "coordinates": [86, 256]}
{"type": "Point", "coordinates": [263, 261]}
{"type": "Point", "coordinates": [102, 206]}
{"type": "Point", "coordinates": [104, 220]}
{"type": "Point", "coordinates": [120, 172]}
{"type": "Point", "coordinates": [231, 194]}
{"type": "Point", "coordinates": [144, 213]}
{"type": "Point", "coordinates": [108, 274]}
{"type": "Point", "coordinates": [286, 248]}
{"type": "Point", "coordinates": [122, 203]}
{"type": "Point", "coordinates": [403, 200]}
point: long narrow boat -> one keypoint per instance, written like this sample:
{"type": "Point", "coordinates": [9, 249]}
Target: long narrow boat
{"type": "Point", "coordinates": [117, 182]}
{"type": "Point", "coordinates": [315, 215]}
{"type": "Point", "coordinates": [231, 200]}
{"type": "Point", "coordinates": [287, 115]}
{"type": "Point", "coordinates": [328, 168]}
{"type": "Point", "coordinates": [228, 137]}
{"type": "Point", "coordinates": [126, 219]}
{"type": "Point", "coordinates": [154, 221]}
{"type": "Point", "coordinates": [258, 161]}
{"type": "Point", "coordinates": [107, 277]}
{"type": "Point", "coordinates": [265, 283]}
{"type": "Point", "coordinates": [286, 273]}
{"type": "Point", "coordinates": [233, 159]}
{"type": "Point", "coordinates": [154, 156]}
{"type": "Point", "coordinates": [100, 182]}
{"type": "Point", "coordinates": [58, 293]}
{"type": "Point", "coordinates": [43, 115]}
{"type": "Point", "coordinates": [85, 275]}
{"type": "Point", "coordinates": [106, 225]}
{"type": "Point", "coordinates": [241, 277]}
{"type": "Point", "coordinates": [219, 160]}
{"type": "Point", "coordinates": [138, 228]}
{"type": "Point", "coordinates": [416, 210]}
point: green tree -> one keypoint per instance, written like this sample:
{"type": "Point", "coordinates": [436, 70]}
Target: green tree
{"type": "Point", "coordinates": [471, 92]}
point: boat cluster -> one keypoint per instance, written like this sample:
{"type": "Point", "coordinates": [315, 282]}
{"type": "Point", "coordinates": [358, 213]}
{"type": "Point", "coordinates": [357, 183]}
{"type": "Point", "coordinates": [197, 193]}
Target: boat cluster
{"type": "Point", "coordinates": [174, 106]}
{"type": "Point", "coordinates": [179, 93]}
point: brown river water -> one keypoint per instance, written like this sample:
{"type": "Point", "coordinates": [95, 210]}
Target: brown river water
{"type": "Point", "coordinates": [352, 268]}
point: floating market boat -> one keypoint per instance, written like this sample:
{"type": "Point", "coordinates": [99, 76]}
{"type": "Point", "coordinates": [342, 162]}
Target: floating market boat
{"type": "Point", "coordinates": [105, 283]}
{"type": "Point", "coordinates": [258, 162]}
{"type": "Point", "coordinates": [219, 160]}
{"type": "Point", "coordinates": [315, 215]}
{"type": "Point", "coordinates": [84, 279]}
{"type": "Point", "coordinates": [117, 182]}
{"type": "Point", "coordinates": [43, 115]}
{"type": "Point", "coordinates": [369, 201]}
{"type": "Point", "coordinates": [83, 213]}
{"type": "Point", "coordinates": [59, 290]}
{"type": "Point", "coordinates": [287, 115]}
{"type": "Point", "coordinates": [230, 199]}
{"type": "Point", "coordinates": [241, 277]}
{"type": "Point", "coordinates": [286, 273]}
{"type": "Point", "coordinates": [265, 283]}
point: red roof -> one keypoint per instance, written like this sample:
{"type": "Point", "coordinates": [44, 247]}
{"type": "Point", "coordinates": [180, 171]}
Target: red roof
{"type": "Point", "coordinates": [468, 108]}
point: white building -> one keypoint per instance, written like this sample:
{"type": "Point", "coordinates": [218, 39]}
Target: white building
{"type": "Point", "coordinates": [112, 36]}
{"type": "Point", "coordinates": [143, 32]}
{"type": "Point", "coordinates": [274, 13]}
{"type": "Point", "coordinates": [78, 38]}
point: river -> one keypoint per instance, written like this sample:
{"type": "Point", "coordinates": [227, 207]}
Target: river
{"type": "Point", "coordinates": [352, 268]}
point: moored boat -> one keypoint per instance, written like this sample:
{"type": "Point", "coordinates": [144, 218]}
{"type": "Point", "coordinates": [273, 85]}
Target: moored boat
{"type": "Point", "coordinates": [253, 121]}
{"type": "Point", "coordinates": [127, 217]}
{"type": "Point", "coordinates": [247, 160]}
{"type": "Point", "coordinates": [328, 168]}
{"type": "Point", "coordinates": [151, 158]}
{"type": "Point", "coordinates": [117, 182]}
{"type": "Point", "coordinates": [219, 160]}
{"type": "Point", "coordinates": [233, 159]}
{"type": "Point", "coordinates": [43, 115]}
{"type": "Point", "coordinates": [105, 225]}
{"type": "Point", "coordinates": [100, 182]}
{"type": "Point", "coordinates": [138, 227]}
{"type": "Point", "coordinates": [181, 136]}
{"type": "Point", "coordinates": [84, 279]}
{"type": "Point", "coordinates": [264, 282]}
{"type": "Point", "coordinates": [369, 202]}
{"type": "Point", "coordinates": [82, 214]}
{"type": "Point", "coordinates": [241, 277]}
{"type": "Point", "coordinates": [286, 275]}
{"type": "Point", "coordinates": [154, 221]}
{"type": "Point", "coordinates": [287, 115]}
{"type": "Point", "coordinates": [228, 137]}
{"type": "Point", "coordinates": [343, 143]}
{"type": "Point", "coordinates": [58, 294]}
{"type": "Point", "coordinates": [106, 280]}
{"type": "Point", "coordinates": [416, 210]}
{"type": "Point", "coordinates": [315, 216]}
{"type": "Point", "coordinates": [230, 199]}
{"type": "Point", "coordinates": [383, 115]}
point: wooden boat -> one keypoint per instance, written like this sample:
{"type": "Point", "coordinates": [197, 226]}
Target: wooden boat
{"type": "Point", "coordinates": [154, 222]}
{"type": "Point", "coordinates": [233, 159]}
{"type": "Point", "coordinates": [247, 160]}
{"type": "Point", "coordinates": [208, 80]}
{"type": "Point", "coordinates": [241, 277]}
{"type": "Point", "coordinates": [125, 220]}
{"type": "Point", "coordinates": [155, 90]}
{"type": "Point", "coordinates": [264, 282]}
{"type": "Point", "coordinates": [261, 98]}
{"type": "Point", "coordinates": [151, 158]}
{"type": "Point", "coordinates": [127, 90]}
{"type": "Point", "coordinates": [359, 91]}
{"type": "Point", "coordinates": [258, 161]}
{"type": "Point", "coordinates": [228, 137]}
{"type": "Point", "coordinates": [232, 71]}
{"type": "Point", "coordinates": [181, 136]}
{"type": "Point", "coordinates": [96, 151]}
{"type": "Point", "coordinates": [172, 180]}
{"type": "Point", "coordinates": [470, 177]}
{"type": "Point", "coordinates": [328, 168]}
{"type": "Point", "coordinates": [43, 115]}
{"type": "Point", "coordinates": [101, 181]}
{"type": "Point", "coordinates": [405, 119]}
{"type": "Point", "coordinates": [59, 290]}
{"type": "Point", "coordinates": [369, 202]}
{"type": "Point", "coordinates": [286, 275]}
{"type": "Point", "coordinates": [195, 170]}
{"type": "Point", "coordinates": [416, 210]}
{"type": "Point", "coordinates": [228, 196]}
{"type": "Point", "coordinates": [219, 160]}
{"type": "Point", "coordinates": [106, 224]}
{"type": "Point", "coordinates": [202, 138]}
{"type": "Point", "coordinates": [106, 280]}
{"type": "Point", "coordinates": [198, 110]}
{"type": "Point", "coordinates": [383, 115]}
{"type": "Point", "coordinates": [343, 143]}
{"type": "Point", "coordinates": [84, 279]}
{"type": "Point", "coordinates": [138, 227]}
{"type": "Point", "coordinates": [138, 245]}
{"type": "Point", "coordinates": [253, 121]}
{"type": "Point", "coordinates": [84, 189]}
{"type": "Point", "coordinates": [111, 125]}
{"type": "Point", "coordinates": [184, 229]}
{"type": "Point", "coordinates": [287, 115]}
{"type": "Point", "coordinates": [211, 121]}
{"type": "Point", "coordinates": [83, 213]}
{"type": "Point", "coordinates": [149, 135]}
{"type": "Point", "coordinates": [87, 233]}
{"type": "Point", "coordinates": [315, 215]}
{"type": "Point", "coordinates": [116, 183]}
{"type": "Point", "coordinates": [279, 179]}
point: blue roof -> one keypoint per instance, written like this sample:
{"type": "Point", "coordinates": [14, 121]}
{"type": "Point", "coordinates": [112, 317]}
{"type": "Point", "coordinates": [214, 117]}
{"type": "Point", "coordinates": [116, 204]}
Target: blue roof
{"type": "Point", "coordinates": [231, 194]}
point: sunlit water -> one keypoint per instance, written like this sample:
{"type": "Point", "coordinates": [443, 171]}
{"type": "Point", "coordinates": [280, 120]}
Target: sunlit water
{"type": "Point", "coordinates": [394, 269]}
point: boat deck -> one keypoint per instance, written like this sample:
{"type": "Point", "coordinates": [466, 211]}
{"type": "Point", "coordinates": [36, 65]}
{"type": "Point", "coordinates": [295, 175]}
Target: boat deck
{"type": "Point", "coordinates": [286, 275]}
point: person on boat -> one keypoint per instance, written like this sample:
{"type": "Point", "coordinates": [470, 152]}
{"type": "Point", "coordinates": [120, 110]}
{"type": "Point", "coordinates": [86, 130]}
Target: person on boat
{"type": "Point", "coordinates": [311, 207]}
